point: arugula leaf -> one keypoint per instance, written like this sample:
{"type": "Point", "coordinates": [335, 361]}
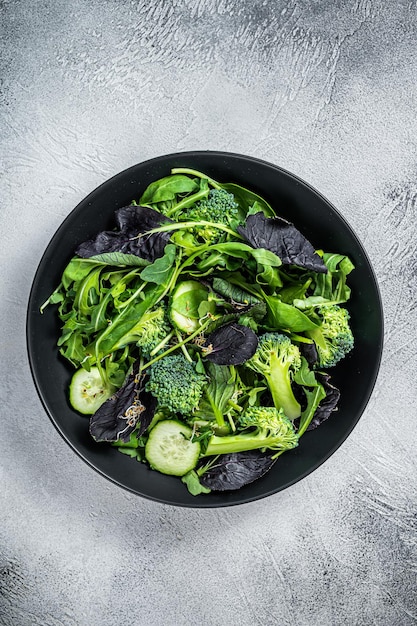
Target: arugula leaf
{"type": "Point", "coordinates": [214, 403]}
{"type": "Point", "coordinates": [314, 398]}
{"type": "Point", "coordinates": [332, 286]}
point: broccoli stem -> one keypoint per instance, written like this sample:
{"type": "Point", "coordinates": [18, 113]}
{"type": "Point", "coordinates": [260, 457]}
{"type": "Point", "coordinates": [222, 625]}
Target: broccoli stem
{"type": "Point", "coordinates": [187, 202]}
{"type": "Point", "coordinates": [279, 384]}
{"type": "Point", "coordinates": [183, 225]}
{"type": "Point", "coordinates": [162, 343]}
{"type": "Point", "coordinates": [241, 443]}
{"type": "Point", "coordinates": [183, 347]}
{"type": "Point", "coordinates": [217, 413]}
{"type": "Point", "coordinates": [178, 345]}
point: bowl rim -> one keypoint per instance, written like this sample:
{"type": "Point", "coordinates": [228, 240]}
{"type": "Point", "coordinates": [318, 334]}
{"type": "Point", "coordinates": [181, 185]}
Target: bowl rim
{"type": "Point", "coordinates": [199, 502]}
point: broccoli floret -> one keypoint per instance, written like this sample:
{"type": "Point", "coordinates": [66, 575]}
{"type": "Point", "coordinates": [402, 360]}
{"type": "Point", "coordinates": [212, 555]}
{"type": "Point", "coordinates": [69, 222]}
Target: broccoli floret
{"type": "Point", "coordinates": [218, 207]}
{"type": "Point", "coordinates": [150, 331]}
{"type": "Point", "coordinates": [154, 330]}
{"type": "Point", "coordinates": [334, 338]}
{"type": "Point", "coordinates": [277, 359]}
{"type": "Point", "coordinates": [264, 428]}
{"type": "Point", "coordinates": [175, 384]}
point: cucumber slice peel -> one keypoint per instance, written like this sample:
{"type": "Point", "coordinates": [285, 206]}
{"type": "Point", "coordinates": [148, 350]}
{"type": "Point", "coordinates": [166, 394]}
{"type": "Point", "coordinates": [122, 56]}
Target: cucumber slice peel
{"type": "Point", "coordinates": [169, 448]}
{"type": "Point", "coordinates": [87, 391]}
{"type": "Point", "coordinates": [184, 305]}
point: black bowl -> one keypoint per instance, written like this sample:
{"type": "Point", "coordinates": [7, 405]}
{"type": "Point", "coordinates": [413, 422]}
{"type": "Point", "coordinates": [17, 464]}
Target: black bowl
{"type": "Point", "coordinates": [294, 200]}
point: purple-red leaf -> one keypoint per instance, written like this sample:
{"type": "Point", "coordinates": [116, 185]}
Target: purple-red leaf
{"type": "Point", "coordinates": [235, 470]}
{"type": "Point", "coordinates": [282, 238]}
{"type": "Point", "coordinates": [231, 344]}
{"type": "Point", "coordinates": [120, 415]}
{"type": "Point", "coordinates": [328, 404]}
{"type": "Point", "coordinates": [132, 221]}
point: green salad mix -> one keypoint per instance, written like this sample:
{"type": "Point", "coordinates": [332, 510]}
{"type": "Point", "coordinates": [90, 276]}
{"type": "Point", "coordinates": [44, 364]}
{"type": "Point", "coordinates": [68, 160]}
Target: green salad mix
{"type": "Point", "coordinates": [202, 330]}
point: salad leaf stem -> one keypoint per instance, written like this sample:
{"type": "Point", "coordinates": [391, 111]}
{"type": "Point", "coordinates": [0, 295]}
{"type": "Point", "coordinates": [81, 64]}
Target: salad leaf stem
{"type": "Point", "coordinates": [191, 172]}
{"type": "Point", "coordinates": [199, 330]}
{"type": "Point", "coordinates": [184, 225]}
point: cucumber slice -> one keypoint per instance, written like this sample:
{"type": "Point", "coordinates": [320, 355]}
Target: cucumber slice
{"type": "Point", "coordinates": [185, 301]}
{"type": "Point", "coordinates": [169, 449]}
{"type": "Point", "coordinates": [87, 391]}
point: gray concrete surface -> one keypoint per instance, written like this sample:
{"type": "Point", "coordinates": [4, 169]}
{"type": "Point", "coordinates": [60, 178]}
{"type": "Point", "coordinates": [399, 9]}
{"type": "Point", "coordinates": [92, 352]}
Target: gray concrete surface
{"type": "Point", "coordinates": [324, 89]}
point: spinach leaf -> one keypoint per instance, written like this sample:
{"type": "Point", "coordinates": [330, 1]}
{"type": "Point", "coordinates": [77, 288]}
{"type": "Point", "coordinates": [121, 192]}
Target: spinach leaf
{"type": "Point", "coordinates": [269, 277]}
{"type": "Point", "coordinates": [282, 238]}
{"type": "Point", "coordinates": [159, 271]}
{"type": "Point", "coordinates": [286, 317]}
{"type": "Point", "coordinates": [168, 188]}
{"type": "Point", "coordinates": [194, 486]}
{"type": "Point", "coordinates": [247, 199]}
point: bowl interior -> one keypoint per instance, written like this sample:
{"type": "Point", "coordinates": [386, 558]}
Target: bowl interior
{"type": "Point", "coordinates": [292, 199]}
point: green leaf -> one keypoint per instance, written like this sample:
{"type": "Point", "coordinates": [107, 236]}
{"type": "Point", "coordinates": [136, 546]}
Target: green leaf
{"type": "Point", "coordinates": [287, 317]}
{"type": "Point", "coordinates": [305, 376]}
{"type": "Point", "coordinates": [269, 276]}
{"type": "Point", "coordinates": [233, 292]}
{"type": "Point", "coordinates": [117, 334]}
{"type": "Point", "coordinates": [74, 350]}
{"type": "Point", "coordinates": [332, 286]}
{"type": "Point", "coordinates": [314, 398]}
{"type": "Point", "coordinates": [205, 307]}
{"type": "Point", "coordinates": [89, 287]}
{"type": "Point", "coordinates": [246, 199]}
{"type": "Point", "coordinates": [244, 251]}
{"type": "Point", "coordinates": [167, 188]}
{"type": "Point", "coordinates": [119, 258]}
{"type": "Point", "coordinates": [217, 394]}
{"type": "Point", "coordinates": [295, 292]}
{"type": "Point", "coordinates": [253, 316]}
{"type": "Point", "coordinates": [77, 269]}
{"type": "Point", "coordinates": [192, 480]}
{"type": "Point", "coordinates": [161, 269]}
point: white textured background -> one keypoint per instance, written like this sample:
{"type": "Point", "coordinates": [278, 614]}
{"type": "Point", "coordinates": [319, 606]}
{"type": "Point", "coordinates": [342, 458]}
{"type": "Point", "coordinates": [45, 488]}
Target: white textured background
{"type": "Point", "coordinates": [326, 89]}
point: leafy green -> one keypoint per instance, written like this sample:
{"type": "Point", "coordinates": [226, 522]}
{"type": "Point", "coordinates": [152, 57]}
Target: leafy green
{"type": "Point", "coordinates": [159, 271]}
{"type": "Point", "coordinates": [204, 306]}
{"type": "Point", "coordinates": [167, 188]}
